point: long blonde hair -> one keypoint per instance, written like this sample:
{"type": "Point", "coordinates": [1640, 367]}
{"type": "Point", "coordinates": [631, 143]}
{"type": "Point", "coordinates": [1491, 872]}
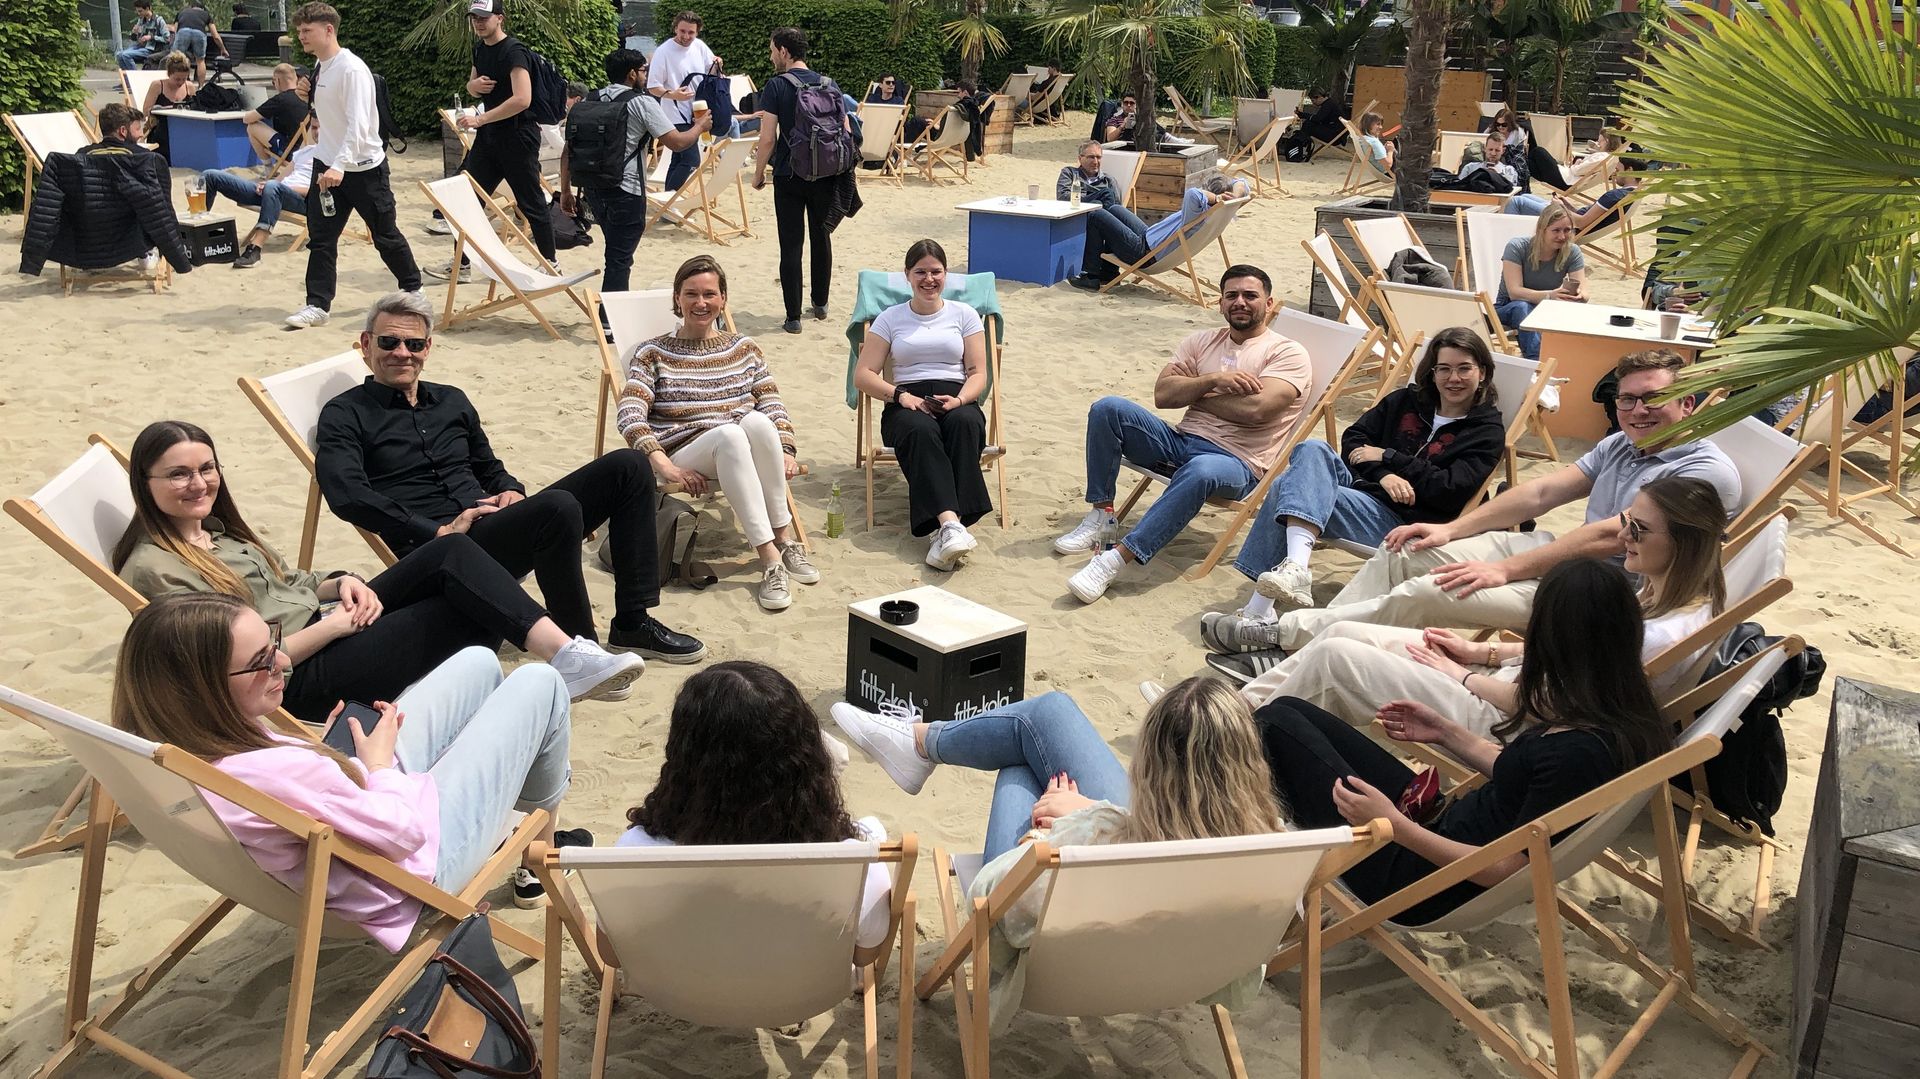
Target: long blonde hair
{"type": "Point", "coordinates": [1199, 772]}
{"type": "Point", "coordinates": [1554, 212]}
{"type": "Point", "coordinates": [151, 523]}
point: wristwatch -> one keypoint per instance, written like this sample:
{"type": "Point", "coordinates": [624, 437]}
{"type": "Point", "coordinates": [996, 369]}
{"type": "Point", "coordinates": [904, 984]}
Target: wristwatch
{"type": "Point", "coordinates": [897, 391]}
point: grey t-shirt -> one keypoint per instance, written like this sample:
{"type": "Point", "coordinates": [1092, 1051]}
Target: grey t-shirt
{"type": "Point", "coordinates": [1618, 470]}
{"type": "Point", "coordinates": [644, 117]}
{"type": "Point", "coordinates": [1543, 276]}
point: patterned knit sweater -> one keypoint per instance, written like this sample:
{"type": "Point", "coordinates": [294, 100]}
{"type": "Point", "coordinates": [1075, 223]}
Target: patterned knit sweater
{"type": "Point", "coordinates": [677, 389]}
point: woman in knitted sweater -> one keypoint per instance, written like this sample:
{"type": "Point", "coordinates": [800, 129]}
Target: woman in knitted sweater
{"type": "Point", "coordinates": [702, 405]}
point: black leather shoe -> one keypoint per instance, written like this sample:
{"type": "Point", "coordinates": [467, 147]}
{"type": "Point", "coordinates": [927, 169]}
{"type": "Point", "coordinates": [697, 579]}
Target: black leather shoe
{"type": "Point", "coordinates": [819, 312]}
{"type": "Point", "coordinates": [655, 641]}
{"type": "Point", "coordinates": [792, 325]}
{"type": "Point", "coordinates": [1085, 281]}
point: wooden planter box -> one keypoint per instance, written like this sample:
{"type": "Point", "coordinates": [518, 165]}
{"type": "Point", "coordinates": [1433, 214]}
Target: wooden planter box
{"type": "Point", "coordinates": [1165, 177]}
{"type": "Point", "coordinates": [929, 104]}
{"type": "Point", "coordinates": [1436, 230]}
{"type": "Point", "coordinates": [1856, 995]}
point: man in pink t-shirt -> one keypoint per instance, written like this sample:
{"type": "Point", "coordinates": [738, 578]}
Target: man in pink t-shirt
{"type": "Point", "coordinates": [1242, 387]}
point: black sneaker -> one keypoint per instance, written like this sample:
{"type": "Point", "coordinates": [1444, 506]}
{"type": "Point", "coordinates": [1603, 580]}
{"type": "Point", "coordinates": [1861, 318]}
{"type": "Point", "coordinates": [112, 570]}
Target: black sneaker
{"type": "Point", "coordinates": [792, 325]}
{"type": "Point", "coordinates": [818, 311]}
{"type": "Point", "coordinates": [528, 892]}
{"type": "Point", "coordinates": [1086, 281]}
{"type": "Point", "coordinates": [249, 257]}
{"type": "Point", "coordinates": [655, 641]}
{"type": "Point", "coordinates": [1247, 666]}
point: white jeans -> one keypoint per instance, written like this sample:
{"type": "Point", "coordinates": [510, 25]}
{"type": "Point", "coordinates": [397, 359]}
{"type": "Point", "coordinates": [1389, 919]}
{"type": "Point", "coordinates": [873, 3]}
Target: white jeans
{"type": "Point", "coordinates": [1395, 589]}
{"type": "Point", "coordinates": [747, 460]}
{"type": "Point", "coordinates": [1351, 669]}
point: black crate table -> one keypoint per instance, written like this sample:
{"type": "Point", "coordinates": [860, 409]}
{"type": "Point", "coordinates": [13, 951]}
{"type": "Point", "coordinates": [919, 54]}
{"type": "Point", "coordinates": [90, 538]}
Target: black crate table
{"type": "Point", "coordinates": [209, 238]}
{"type": "Point", "coordinates": [958, 659]}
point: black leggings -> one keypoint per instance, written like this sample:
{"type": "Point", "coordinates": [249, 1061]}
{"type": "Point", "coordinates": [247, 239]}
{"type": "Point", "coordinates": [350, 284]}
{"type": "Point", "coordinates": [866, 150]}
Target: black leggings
{"type": "Point", "coordinates": [1542, 167]}
{"type": "Point", "coordinates": [1309, 748]}
{"type": "Point", "coordinates": [940, 456]}
{"type": "Point", "coordinates": [511, 152]}
{"type": "Point", "coordinates": [445, 596]}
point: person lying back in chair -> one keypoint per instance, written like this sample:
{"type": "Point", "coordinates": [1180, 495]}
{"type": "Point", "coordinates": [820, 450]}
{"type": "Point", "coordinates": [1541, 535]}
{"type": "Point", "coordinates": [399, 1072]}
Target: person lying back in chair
{"type": "Point", "coordinates": [273, 195]}
{"type": "Point", "coordinates": [1242, 386]}
{"type": "Point", "coordinates": [1117, 230]}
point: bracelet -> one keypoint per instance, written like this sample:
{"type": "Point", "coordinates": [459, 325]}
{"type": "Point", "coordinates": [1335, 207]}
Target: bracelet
{"type": "Point", "coordinates": [1493, 656]}
{"type": "Point", "coordinates": [1463, 680]}
{"type": "Point", "coordinates": [897, 391]}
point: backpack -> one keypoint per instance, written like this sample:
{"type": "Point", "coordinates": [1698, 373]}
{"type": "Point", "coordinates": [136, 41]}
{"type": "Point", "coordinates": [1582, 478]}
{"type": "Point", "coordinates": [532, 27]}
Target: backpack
{"type": "Point", "coordinates": [717, 92]}
{"type": "Point", "coordinates": [818, 145]}
{"type": "Point", "coordinates": [597, 153]}
{"type": "Point", "coordinates": [390, 132]}
{"type": "Point", "coordinates": [549, 105]}
{"type": "Point", "coordinates": [674, 525]}
{"type": "Point", "coordinates": [216, 98]}
{"type": "Point", "coordinates": [570, 230]}
{"type": "Point", "coordinates": [1748, 777]}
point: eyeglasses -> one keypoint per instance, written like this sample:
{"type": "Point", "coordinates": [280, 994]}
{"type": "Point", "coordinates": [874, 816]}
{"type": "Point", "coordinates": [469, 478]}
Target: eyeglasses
{"type": "Point", "coordinates": [1627, 402]}
{"type": "Point", "coordinates": [389, 342]}
{"type": "Point", "coordinates": [182, 478]}
{"type": "Point", "coordinates": [1637, 531]}
{"type": "Point", "coordinates": [269, 660]}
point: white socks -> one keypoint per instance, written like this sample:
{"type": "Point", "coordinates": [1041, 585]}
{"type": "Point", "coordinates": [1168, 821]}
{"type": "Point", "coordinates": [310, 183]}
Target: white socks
{"type": "Point", "coordinates": [1259, 608]}
{"type": "Point", "coordinates": [1300, 543]}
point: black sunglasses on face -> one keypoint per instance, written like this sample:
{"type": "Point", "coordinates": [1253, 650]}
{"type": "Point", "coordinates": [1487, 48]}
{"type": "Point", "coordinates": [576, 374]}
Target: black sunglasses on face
{"type": "Point", "coordinates": [269, 660]}
{"type": "Point", "coordinates": [389, 342]}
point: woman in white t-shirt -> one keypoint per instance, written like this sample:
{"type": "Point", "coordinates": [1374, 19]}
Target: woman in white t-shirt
{"type": "Point", "coordinates": [937, 349]}
{"type": "Point", "coordinates": [1672, 535]}
{"type": "Point", "coordinates": [747, 762]}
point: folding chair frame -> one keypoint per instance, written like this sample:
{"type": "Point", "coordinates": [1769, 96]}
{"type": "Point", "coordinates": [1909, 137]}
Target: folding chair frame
{"type": "Point", "coordinates": [1389, 361]}
{"type": "Point", "coordinates": [1362, 177]}
{"type": "Point", "coordinates": [1262, 149]}
{"type": "Point", "coordinates": [933, 153]}
{"type": "Point", "coordinates": [34, 161]}
{"type": "Point", "coordinates": [1891, 430]}
{"type": "Point", "coordinates": [1200, 291]}
{"type": "Point", "coordinates": [893, 166]}
{"type": "Point", "coordinates": [1188, 118]}
{"type": "Point", "coordinates": [494, 302]}
{"type": "Point", "coordinates": [716, 225]}
{"type": "Point", "coordinates": [868, 452]}
{"type": "Point", "coordinates": [1037, 110]}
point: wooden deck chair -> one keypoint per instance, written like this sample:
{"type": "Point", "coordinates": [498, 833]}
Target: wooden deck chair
{"type": "Point", "coordinates": [165, 791]}
{"type": "Point", "coordinates": [1019, 88]}
{"type": "Point", "coordinates": [502, 196]}
{"type": "Point", "coordinates": [1285, 101]}
{"type": "Point", "coordinates": [1415, 311]}
{"type": "Point", "coordinates": [1490, 109]}
{"type": "Point", "coordinates": [1362, 174]}
{"type": "Point", "coordinates": [1038, 108]}
{"type": "Point", "coordinates": [290, 402]}
{"type": "Point", "coordinates": [944, 146]}
{"type": "Point", "coordinates": [1261, 150]}
{"type": "Point", "coordinates": [1611, 242]}
{"type": "Point", "coordinates": [1832, 418]}
{"type": "Point", "coordinates": [1469, 200]}
{"type": "Point", "coordinates": [1356, 309]}
{"type": "Point", "coordinates": [1126, 928]}
{"type": "Point", "coordinates": [1483, 240]}
{"type": "Point", "coordinates": [43, 133]}
{"type": "Point", "coordinates": [135, 84]}
{"type": "Point", "coordinates": [1335, 350]}
{"type": "Point", "coordinates": [880, 134]}
{"type": "Point", "coordinates": [1187, 118]}
{"type": "Point", "coordinates": [692, 929]}
{"type": "Point", "coordinates": [1174, 256]}
{"type": "Point", "coordinates": [641, 316]}
{"type": "Point", "coordinates": [465, 207]}
{"type": "Point", "coordinates": [702, 194]}
{"type": "Point", "coordinates": [1452, 147]}
{"type": "Point", "coordinates": [1769, 463]}
{"type": "Point", "coordinates": [1381, 238]}
{"type": "Point", "coordinates": [1251, 116]}
{"type": "Point", "coordinates": [1123, 168]}
{"type": "Point", "coordinates": [1590, 823]}
{"type": "Point", "coordinates": [1554, 134]}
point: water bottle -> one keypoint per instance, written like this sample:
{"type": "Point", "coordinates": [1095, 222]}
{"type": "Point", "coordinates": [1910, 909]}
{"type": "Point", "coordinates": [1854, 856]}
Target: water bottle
{"type": "Point", "coordinates": [1109, 532]}
{"type": "Point", "coordinates": [836, 520]}
{"type": "Point", "coordinates": [326, 200]}
{"type": "Point", "coordinates": [1076, 191]}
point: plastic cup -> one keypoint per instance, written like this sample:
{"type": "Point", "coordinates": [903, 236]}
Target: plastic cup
{"type": "Point", "coordinates": [1033, 192]}
{"type": "Point", "coordinates": [1669, 324]}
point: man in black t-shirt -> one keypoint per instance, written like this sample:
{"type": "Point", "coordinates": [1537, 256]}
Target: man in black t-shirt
{"type": "Point", "coordinates": [799, 206]}
{"type": "Point", "coordinates": [244, 22]}
{"type": "Point", "coordinates": [276, 119]}
{"type": "Point", "coordinates": [195, 35]}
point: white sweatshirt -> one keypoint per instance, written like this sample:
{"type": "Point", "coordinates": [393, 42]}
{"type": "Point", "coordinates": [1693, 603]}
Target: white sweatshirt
{"type": "Point", "coordinates": [349, 117]}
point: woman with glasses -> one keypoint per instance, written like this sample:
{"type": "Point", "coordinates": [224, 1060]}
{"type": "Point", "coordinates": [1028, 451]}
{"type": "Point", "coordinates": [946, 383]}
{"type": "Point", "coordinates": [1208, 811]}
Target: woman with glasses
{"type": "Point", "coordinates": [381, 635]}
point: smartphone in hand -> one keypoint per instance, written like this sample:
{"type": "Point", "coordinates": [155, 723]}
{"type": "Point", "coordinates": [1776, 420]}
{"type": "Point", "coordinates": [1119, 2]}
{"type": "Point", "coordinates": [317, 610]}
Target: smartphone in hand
{"type": "Point", "coordinates": [339, 733]}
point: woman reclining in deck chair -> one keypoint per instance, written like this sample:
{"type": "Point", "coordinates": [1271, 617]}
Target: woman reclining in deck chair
{"type": "Point", "coordinates": [429, 785]}
{"type": "Point", "coordinates": [702, 405]}
{"type": "Point", "coordinates": [1196, 774]}
{"type": "Point", "coordinates": [382, 635]}
{"type": "Point", "coordinates": [1117, 230]}
{"type": "Point", "coordinates": [1583, 714]}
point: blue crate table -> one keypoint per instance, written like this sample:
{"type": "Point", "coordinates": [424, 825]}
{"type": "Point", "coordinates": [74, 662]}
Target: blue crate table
{"type": "Point", "coordinates": [1039, 241]}
{"type": "Point", "coordinates": [208, 140]}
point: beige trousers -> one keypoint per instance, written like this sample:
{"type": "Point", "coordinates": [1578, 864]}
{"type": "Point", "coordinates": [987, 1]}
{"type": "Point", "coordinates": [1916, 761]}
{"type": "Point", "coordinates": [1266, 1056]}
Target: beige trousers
{"type": "Point", "coordinates": [1352, 669]}
{"type": "Point", "coordinates": [1394, 589]}
{"type": "Point", "coordinates": [749, 463]}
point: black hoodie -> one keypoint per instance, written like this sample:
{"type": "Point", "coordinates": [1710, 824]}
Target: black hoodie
{"type": "Point", "coordinates": [1444, 469]}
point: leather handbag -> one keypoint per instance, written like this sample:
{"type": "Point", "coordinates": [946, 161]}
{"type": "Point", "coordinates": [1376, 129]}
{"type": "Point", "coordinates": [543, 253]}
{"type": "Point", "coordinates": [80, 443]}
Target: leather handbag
{"type": "Point", "coordinates": [461, 1019]}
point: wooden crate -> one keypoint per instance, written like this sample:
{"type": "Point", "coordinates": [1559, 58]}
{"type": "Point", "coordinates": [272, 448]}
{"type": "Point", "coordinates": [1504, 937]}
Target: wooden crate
{"type": "Point", "coordinates": [1165, 177]}
{"type": "Point", "coordinates": [929, 104]}
{"type": "Point", "coordinates": [1436, 230]}
{"type": "Point", "coordinates": [1856, 996]}
{"type": "Point", "coordinates": [1459, 103]}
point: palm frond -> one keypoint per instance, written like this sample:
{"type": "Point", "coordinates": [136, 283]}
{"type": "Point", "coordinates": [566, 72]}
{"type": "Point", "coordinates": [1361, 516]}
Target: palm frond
{"type": "Point", "coordinates": [445, 28]}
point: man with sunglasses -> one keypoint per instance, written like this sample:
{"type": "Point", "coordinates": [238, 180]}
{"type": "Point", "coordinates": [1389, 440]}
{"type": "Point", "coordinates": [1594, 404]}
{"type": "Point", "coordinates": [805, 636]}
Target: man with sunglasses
{"type": "Point", "coordinates": [1472, 572]}
{"type": "Point", "coordinates": [408, 460]}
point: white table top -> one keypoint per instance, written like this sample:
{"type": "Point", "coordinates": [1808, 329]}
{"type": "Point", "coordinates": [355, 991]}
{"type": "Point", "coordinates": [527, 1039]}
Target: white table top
{"type": "Point", "coordinates": [947, 622]}
{"type": "Point", "coordinates": [1051, 209]}
{"type": "Point", "coordinates": [190, 114]}
{"type": "Point", "coordinates": [1565, 316]}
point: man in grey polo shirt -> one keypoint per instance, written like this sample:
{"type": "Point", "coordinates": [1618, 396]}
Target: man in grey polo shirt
{"type": "Point", "coordinates": [1472, 572]}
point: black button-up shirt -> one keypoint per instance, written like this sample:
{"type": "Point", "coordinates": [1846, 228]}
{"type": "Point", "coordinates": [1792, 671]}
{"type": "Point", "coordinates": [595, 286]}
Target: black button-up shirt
{"type": "Point", "coordinates": [401, 471]}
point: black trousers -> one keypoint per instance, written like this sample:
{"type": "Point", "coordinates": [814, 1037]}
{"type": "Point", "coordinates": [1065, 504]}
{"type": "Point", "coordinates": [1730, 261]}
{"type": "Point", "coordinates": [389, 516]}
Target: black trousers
{"type": "Point", "coordinates": [1308, 749]}
{"type": "Point", "coordinates": [940, 456]}
{"type": "Point", "coordinates": [511, 152]}
{"type": "Point", "coordinates": [1542, 167]}
{"type": "Point", "coordinates": [800, 212]}
{"type": "Point", "coordinates": [542, 534]}
{"type": "Point", "coordinates": [446, 595]}
{"type": "Point", "coordinates": [370, 195]}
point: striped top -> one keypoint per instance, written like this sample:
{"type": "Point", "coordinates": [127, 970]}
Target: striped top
{"type": "Point", "coordinates": [678, 389]}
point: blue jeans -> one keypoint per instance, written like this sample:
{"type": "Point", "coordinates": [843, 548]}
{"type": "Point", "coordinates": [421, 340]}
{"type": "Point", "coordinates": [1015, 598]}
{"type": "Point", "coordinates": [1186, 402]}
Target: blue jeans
{"type": "Point", "coordinates": [1118, 429]}
{"type": "Point", "coordinates": [683, 162]}
{"type": "Point", "coordinates": [191, 42]}
{"type": "Point", "coordinates": [1528, 205]}
{"type": "Point", "coordinates": [491, 744]}
{"type": "Point", "coordinates": [1512, 313]}
{"type": "Point", "coordinates": [272, 199]}
{"type": "Point", "coordinates": [623, 218]}
{"type": "Point", "coordinates": [1028, 742]}
{"type": "Point", "coordinates": [129, 59]}
{"type": "Point", "coordinates": [1317, 488]}
{"type": "Point", "coordinates": [1112, 229]}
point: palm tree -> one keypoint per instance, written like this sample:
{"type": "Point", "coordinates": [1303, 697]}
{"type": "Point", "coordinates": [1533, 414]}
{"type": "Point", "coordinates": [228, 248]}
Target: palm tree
{"type": "Point", "coordinates": [1123, 41]}
{"type": "Point", "coordinates": [445, 27]}
{"type": "Point", "coordinates": [964, 24]}
{"type": "Point", "coordinates": [1500, 28]}
{"type": "Point", "coordinates": [1793, 192]}
{"type": "Point", "coordinates": [1426, 23]}
{"type": "Point", "coordinates": [1563, 24]}
{"type": "Point", "coordinates": [1337, 31]}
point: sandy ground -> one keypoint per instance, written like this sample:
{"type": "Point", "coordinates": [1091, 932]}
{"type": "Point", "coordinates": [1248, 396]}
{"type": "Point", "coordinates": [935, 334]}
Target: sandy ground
{"type": "Point", "coordinates": [111, 359]}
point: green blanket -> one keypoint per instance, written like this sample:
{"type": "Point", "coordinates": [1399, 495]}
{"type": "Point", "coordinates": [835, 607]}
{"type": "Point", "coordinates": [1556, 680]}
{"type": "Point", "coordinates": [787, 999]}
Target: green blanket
{"type": "Point", "coordinates": [881, 289]}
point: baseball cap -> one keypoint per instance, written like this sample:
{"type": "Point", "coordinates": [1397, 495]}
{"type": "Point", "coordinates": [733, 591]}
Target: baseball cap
{"type": "Point", "coordinates": [487, 7]}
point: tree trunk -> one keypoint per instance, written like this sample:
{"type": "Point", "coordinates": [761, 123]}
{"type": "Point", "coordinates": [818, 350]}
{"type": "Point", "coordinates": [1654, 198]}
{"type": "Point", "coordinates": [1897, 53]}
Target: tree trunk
{"type": "Point", "coordinates": [1560, 77]}
{"type": "Point", "coordinates": [1146, 122]}
{"type": "Point", "coordinates": [1427, 23]}
{"type": "Point", "coordinates": [1337, 85]}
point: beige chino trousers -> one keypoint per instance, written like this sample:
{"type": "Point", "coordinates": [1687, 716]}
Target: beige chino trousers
{"type": "Point", "coordinates": [1395, 589]}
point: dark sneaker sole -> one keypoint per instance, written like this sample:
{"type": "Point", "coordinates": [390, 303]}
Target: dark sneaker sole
{"type": "Point", "coordinates": [530, 902]}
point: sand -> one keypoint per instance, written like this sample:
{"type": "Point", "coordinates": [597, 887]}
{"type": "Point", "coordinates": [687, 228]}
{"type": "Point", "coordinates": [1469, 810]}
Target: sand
{"type": "Point", "coordinates": [112, 359]}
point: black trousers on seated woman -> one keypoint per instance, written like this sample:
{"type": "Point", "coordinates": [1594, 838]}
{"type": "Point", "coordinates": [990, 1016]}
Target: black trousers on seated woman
{"type": "Point", "coordinates": [446, 595]}
{"type": "Point", "coordinates": [940, 456]}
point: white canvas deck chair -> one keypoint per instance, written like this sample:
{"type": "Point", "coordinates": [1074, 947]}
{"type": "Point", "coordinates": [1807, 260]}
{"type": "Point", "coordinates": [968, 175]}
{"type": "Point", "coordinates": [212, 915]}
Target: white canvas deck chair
{"type": "Point", "coordinates": [1769, 464]}
{"type": "Point", "coordinates": [1611, 242]}
{"type": "Point", "coordinates": [1018, 87]}
{"type": "Point", "coordinates": [1591, 822]}
{"type": "Point", "coordinates": [1416, 311]}
{"type": "Point", "coordinates": [135, 84]}
{"type": "Point", "coordinates": [1127, 928]}
{"type": "Point", "coordinates": [1831, 418]}
{"type": "Point", "coordinates": [1187, 118]}
{"type": "Point", "coordinates": [1262, 150]}
{"type": "Point", "coordinates": [1038, 108]}
{"type": "Point", "coordinates": [880, 133]}
{"type": "Point", "coordinates": [944, 145]}
{"type": "Point", "coordinates": [1251, 116]}
{"type": "Point", "coordinates": [729, 936]}
{"type": "Point", "coordinates": [1362, 174]}
{"type": "Point", "coordinates": [1483, 240]}
{"type": "Point", "coordinates": [466, 209]}
{"type": "Point", "coordinates": [1381, 238]}
{"type": "Point", "coordinates": [1554, 134]}
{"type": "Point", "coordinates": [1285, 101]}
{"type": "Point", "coordinates": [1490, 109]}
{"type": "Point", "coordinates": [1173, 257]}
{"type": "Point", "coordinates": [701, 196]}
{"type": "Point", "coordinates": [43, 133]}
{"type": "Point", "coordinates": [1356, 310]}
{"type": "Point", "coordinates": [641, 316]}
{"type": "Point", "coordinates": [290, 402]}
{"type": "Point", "coordinates": [163, 791]}
{"type": "Point", "coordinates": [1123, 168]}
{"type": "Point", "coordinates": [1452, 147]}
{"type": "Point", "coordinates": [502, 196]}
{"type": "Point", "coordinates": [1334, 349]}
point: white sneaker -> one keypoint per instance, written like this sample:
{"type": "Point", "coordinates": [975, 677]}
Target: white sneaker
{"type": "Point", "coordinates": [1094, 577]}
{"type": "Point", "coordinates": [1084, 535]}
{"type": "Point", "coordinates": [887, 737]}
{"type": "Point", "coordinates": [1152, 691]}
{"type": "Point", "coordinates": [308, 316]}
{"type": "Point", "coordinates": [1290, 584]}
{"type": "Point", "coordinates": [837, 754]}
{"type": "Point", "coordinates": [438, 226]}
{"type": "Point", "coordinates": [799, 566]}
{"type": "Point", "coordinates": [773, 593]}
{"type": "Point", "coordinates": [951, 544]}
{"type": "Point", "coordinates": [593, 673]}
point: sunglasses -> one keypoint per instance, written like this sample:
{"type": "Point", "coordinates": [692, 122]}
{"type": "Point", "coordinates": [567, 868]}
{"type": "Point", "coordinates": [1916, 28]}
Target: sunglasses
{"type": "Point", "coordinates": [1636, 531]}
{"type": "Point", "coordinates": [389, 342]}
{"type": "Point", "coordinates": [268, 660]}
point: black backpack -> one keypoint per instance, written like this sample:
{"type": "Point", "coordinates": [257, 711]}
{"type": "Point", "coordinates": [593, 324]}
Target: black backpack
{"type": "Point", "coordinates": [1748, 777]}
{"type": "Point", "coordinates": [390, 132]}
{"type": "Point", "coordinates": [549, 105]}
{"type": "Point", "coordinates": [597, 152]}
{"type": "Point", "coordinates": [216, 98]}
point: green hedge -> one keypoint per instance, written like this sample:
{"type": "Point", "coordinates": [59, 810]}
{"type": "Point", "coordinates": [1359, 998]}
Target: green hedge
{"type": "Point", "coordinates": [847, 40]}
{"type": "Point", "coordinates": [1297, 64]}
{"type": "Point", "coordinates": [46, 51]}
{"type": "Point", "coordinates": [1263, 48]}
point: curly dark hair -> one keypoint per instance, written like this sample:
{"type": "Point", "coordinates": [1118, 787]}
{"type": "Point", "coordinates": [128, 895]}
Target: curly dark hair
{"type": "Point", "coordinates": [745, 764]}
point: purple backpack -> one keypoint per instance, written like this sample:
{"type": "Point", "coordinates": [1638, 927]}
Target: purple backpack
{"type": "Point", "coordinates": [818, 144]}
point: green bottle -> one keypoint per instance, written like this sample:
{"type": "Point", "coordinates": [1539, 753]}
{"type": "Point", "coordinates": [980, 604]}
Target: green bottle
{"type": "Point", "coordinates": [836, 520]}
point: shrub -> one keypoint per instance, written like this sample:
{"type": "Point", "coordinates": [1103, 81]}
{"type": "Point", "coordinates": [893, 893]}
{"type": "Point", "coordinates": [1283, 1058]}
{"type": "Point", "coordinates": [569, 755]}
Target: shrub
{"type": "Point", "coordinates": [46, 51]}
{"type": "Point", "coordinates": [1262, 46]}
{"type": "Point", "coordinates": [1297, 64]}
{"type": "Point", "coordinates": [847, 40]}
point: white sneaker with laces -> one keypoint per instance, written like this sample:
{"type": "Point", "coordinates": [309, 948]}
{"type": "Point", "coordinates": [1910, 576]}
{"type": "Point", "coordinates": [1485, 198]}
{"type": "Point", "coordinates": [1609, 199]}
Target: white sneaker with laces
{"type": "Point", "coordinates": [799, 566]}
{"type": "Point", "coordinates": [773, 593]}
{"type": "Point", "coordinates": [1151, 691]}
{"type": "Point", "coordinates": [837, 754]}
{"type": "Point", "coordinates": [438, 226]}
{"type": "Point", "coordinates": [1094, 577]}
{"type": "Point", "coordinates": [887, 737]}
{"type": "Point", "coordinates": [593, 673]}
{"type": "Point", "coordinates": [951, 544]}
{"type": "Point", "coordinates": [1290, 583]}
{"type": "Point", "coordinates": [1084, 535]}
{"type": "Point", "coordinates": [308, 316]}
